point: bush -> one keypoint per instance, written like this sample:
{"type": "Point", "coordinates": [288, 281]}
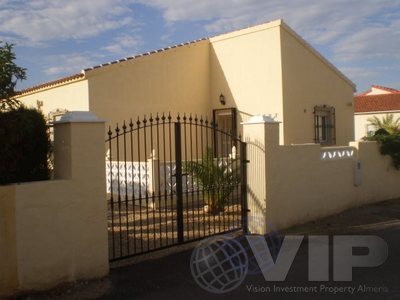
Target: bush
{"type": "Point", "coordinates": [24, 146]}
{"type": "Point", "coordinates": [219, 181]}
{"type": "Point", "coordinates": [389, 145]}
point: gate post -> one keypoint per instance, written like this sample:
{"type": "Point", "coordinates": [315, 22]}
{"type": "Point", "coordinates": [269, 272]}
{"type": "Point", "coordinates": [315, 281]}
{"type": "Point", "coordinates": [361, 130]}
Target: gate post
{"type": "Point", "coordinates": [261, 133]}
{"type": "Point", "coordinates": [243, 186]}
{"type": "Point", "coordinates": [178, 174]}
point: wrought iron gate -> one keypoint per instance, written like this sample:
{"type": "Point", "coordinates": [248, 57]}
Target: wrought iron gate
{"type": "Point", "coordinates": [171, 181]}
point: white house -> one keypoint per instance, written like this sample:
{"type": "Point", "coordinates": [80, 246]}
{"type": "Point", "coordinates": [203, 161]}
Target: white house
{"type": "Point", "coordinates": [377, 101]}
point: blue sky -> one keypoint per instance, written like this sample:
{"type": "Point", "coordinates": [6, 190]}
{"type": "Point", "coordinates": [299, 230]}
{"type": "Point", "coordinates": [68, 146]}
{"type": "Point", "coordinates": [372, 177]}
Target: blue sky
{"type": "Point", "coordinates": [61, 37]}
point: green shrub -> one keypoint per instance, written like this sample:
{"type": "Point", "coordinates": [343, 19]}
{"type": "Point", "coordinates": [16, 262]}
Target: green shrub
{"type": "Point", "coordinates": [24, 146]}
{"type": "Point", "coordinates": [218, 181]}
{"type": "Point", "coordinates": [389, 145]}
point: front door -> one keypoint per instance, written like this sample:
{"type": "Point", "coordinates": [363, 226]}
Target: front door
{"type": "Point", "coordinates": [225, 123]}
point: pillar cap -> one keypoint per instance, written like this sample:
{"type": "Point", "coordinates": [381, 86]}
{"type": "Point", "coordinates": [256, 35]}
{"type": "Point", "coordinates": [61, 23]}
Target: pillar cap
{"type": "Point", "coordinates": [79, 117]}
{"type": "Point", "coordinates": [260, 119]}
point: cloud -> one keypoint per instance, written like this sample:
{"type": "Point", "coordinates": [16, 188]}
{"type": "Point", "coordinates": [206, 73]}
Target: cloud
{"type": "Point", "coordinates": [37, 22]}
{"type": "Point", "coordinates": [124, 44]}
{"type": "Point", "coordinates": [376, 42]}
{"type": "Point", "coordinates": [62, 64]}
{"type": "Point", "coordinates": [350, 26]}
{"type": "Point", "coordinates": [70, 63]}
{"type": "Point", "coordinates": [361, 38]}
{"type": "Point", "coordinates": [358, 72]}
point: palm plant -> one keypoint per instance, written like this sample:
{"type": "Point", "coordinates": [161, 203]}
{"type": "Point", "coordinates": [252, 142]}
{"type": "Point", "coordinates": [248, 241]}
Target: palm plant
{"type": "Point", "coordinates": [218, 179]}
{"type": "Point", "coordinates": [388, 123]}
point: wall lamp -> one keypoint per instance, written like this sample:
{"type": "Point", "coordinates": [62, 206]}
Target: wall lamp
{"type": "Point", "coordinates": [222, 99]}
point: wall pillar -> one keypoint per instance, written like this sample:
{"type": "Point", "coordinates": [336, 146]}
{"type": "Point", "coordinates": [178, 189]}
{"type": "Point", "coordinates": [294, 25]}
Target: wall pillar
{"type": "Point", "coordinates": [61, 227]}
{"type": "Point", "coordinates": [261, 133]}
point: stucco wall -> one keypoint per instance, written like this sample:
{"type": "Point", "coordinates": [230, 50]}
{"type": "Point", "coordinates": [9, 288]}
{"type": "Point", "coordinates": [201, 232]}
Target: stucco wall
{"type": "Point", "coordinates": [304, 188]}
{"type": "Point", "coordinates": [55, 231]}
{"type": "Point", "coordinates": [71, 96]}
{"type": "Point", "coordinates": [294, 184]}
{"type": "Point", "coordinates": [319, 188]}
{"type": "Point", "coordinates": [175, 80]}
{"type": "Point", "coordinates": [303, 185]}
{"type": "Point", "coordinates": [377, 91]}
{"type": "Point", "coordinates": [309, 81]}
{"type": "Point", "coordinates": [361, 122]}
{"type": "Point", "coordinates": [58, 233]}
{"type": "Point", "coordinates": [246, 68]}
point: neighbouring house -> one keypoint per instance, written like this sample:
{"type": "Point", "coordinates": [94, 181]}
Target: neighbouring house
{"type": "Point", "coordinates": [377, 101]}
{"type": "Point", "coordinates": [265, 69]}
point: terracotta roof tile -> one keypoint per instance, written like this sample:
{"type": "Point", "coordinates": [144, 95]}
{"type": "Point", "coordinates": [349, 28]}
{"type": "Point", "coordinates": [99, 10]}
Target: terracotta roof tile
{"type": "Point", "coordinates": [52, 83]}
{"type": "Point", "coordinates": [373, 103]}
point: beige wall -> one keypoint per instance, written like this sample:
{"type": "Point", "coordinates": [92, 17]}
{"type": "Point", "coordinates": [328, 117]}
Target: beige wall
{"type": "Point", "coordinates": [361, 122]}
{"type": "Point", "coordinates": [175, 80]}
{"type": "Point", "coordinates": [55, 231]}
{"type": "Point", "coordinates": [308, 80]}
{"type": "Point", "coordinates": [246, 68]}
{"type": "Point", "coordinates": [304, 188]}
{"type": "Point", "coordinates": [320, 188]}
{"type": "Point", "coordinates": [301, 187]}
{"type": "Point", "coordinates": [377, 91]}
{"type": "Point", "coordinates": [265, 69]}
{"type": "Point", "coordinates": [71, 96]}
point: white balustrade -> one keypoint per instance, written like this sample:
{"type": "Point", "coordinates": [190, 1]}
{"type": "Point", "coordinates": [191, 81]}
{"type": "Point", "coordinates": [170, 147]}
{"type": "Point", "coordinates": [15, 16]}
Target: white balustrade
{"type": "Point", "coordinates": [136, 178]}
{"type": "Point", "coordinates": [335, 153]}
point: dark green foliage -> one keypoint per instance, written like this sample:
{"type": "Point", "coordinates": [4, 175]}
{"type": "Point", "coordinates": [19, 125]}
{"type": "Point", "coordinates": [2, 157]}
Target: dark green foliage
{"type": "Point", "coordinates": [24, 146]}
{"type": "Point", "coordinates": [218, 180]}
{"type": "Point", "coordinates": [10, 73]}
{"type": "Point", "coordinates": [389, 145]}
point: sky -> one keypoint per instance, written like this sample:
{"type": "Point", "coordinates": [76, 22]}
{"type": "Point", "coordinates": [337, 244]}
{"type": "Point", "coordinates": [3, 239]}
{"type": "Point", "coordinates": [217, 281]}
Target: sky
{"type": "Point", "coordinates": [57, 38]}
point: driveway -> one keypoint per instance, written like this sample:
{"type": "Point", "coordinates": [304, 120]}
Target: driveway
{"type": "Point", "coordinates": [167, 275]}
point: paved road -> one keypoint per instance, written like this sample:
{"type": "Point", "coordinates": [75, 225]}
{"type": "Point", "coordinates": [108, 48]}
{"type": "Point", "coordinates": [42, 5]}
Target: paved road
{"type": "Point", "coordinates": [169, 277]}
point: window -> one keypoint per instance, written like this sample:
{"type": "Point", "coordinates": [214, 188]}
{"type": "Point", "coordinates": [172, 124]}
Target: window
{"type": "Point", "coordinates": [324, 125]}
{"type": "Point", "coordinates": [225, 120]}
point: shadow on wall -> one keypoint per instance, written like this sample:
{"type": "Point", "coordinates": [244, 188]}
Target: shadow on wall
{"type": "Point", "coordinates": [219, 85]}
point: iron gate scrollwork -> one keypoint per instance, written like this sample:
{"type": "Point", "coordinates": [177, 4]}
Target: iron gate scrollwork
{"type": "Point", "coordinates": [171, 181]}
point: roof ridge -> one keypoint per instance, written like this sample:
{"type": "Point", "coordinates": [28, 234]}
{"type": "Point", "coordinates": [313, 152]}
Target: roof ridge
{"type": "Point", "coordinates": [173, 46]}
{"type": "Point", "coordinates": [51, 83]}
{"type": "Point", "coordinates": [83, 72]}
{"type": "Point", "coordinates": [143, 54]}
{"type": "Point", "coordinates": [388, 89]}
{"type": "Point", "coordinates": [376, 95]}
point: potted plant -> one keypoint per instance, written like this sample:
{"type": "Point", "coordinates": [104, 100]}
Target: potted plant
{"type": "Point", "coordinates": [217, 177]}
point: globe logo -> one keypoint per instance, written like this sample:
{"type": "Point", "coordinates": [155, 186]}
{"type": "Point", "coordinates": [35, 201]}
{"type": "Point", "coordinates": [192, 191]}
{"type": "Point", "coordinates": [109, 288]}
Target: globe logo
{"type": "Point", "coordinates": [219, 264]}
{"type": "Point", "coordinates": [274, 240]}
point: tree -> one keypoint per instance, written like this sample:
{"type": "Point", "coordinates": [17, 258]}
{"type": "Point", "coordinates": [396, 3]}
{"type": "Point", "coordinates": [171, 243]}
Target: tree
{"type": "Point", "coordinates": [388, 123]}
{"type": "Point", "coordinates": [10, 74]}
